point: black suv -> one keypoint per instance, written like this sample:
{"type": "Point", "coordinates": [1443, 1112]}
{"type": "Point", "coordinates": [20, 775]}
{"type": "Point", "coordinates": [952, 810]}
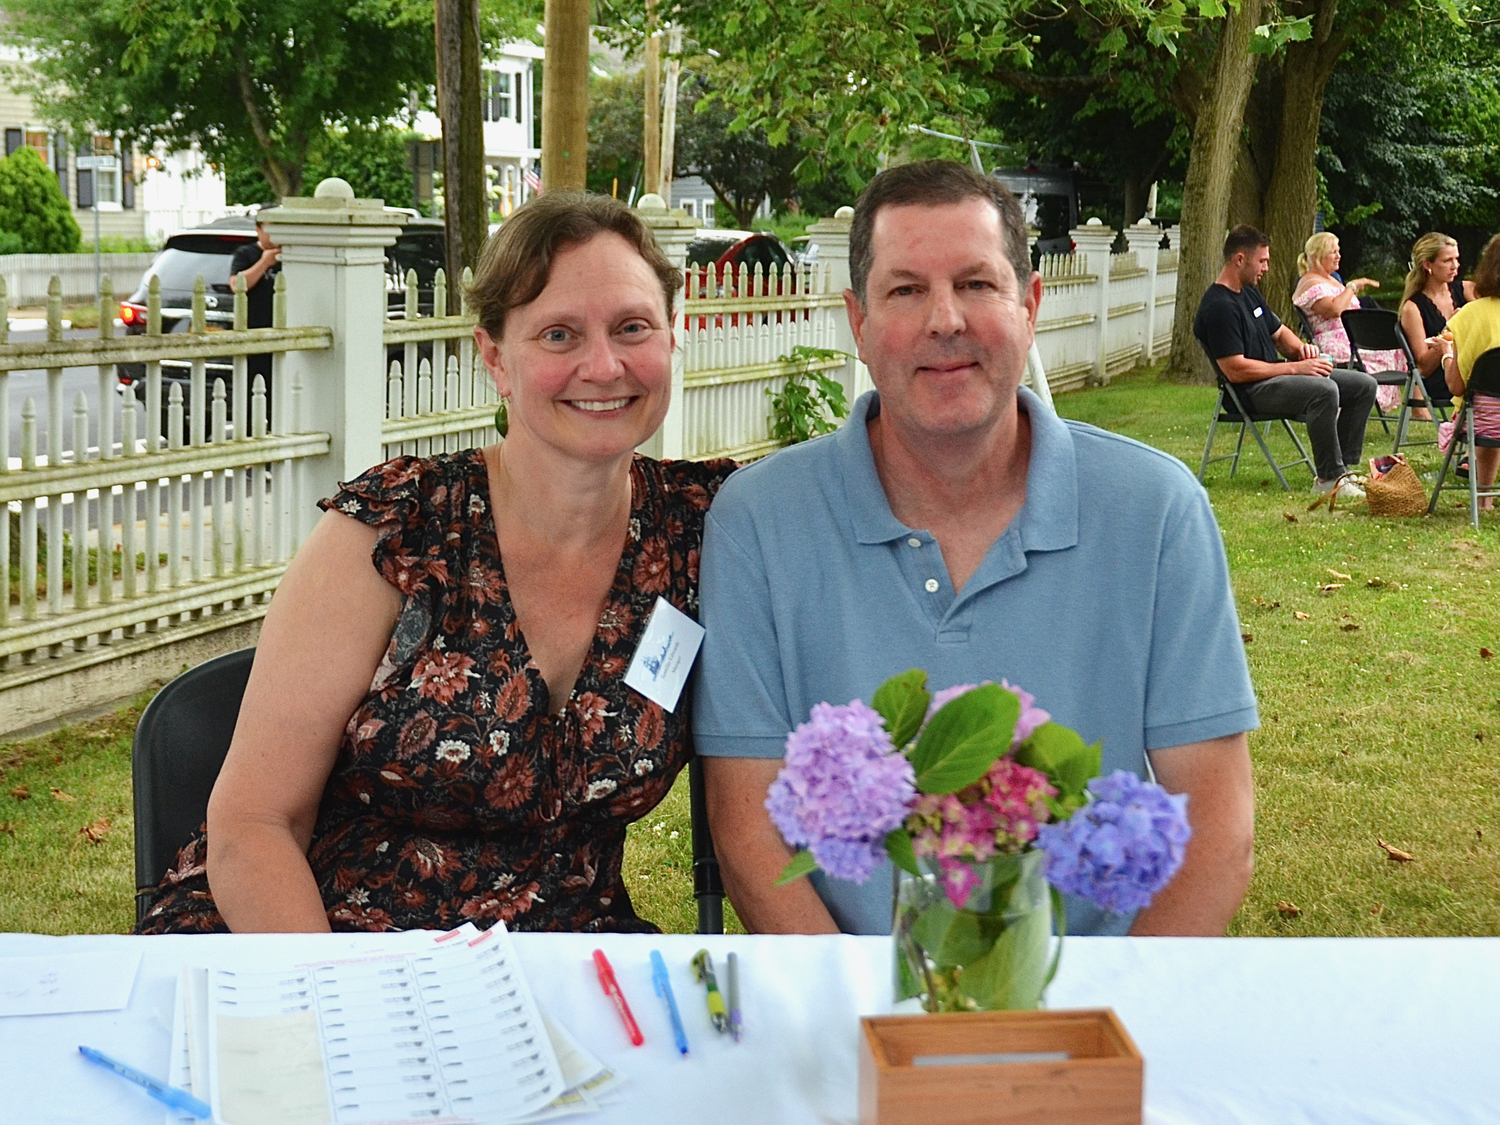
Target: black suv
{"type": "Point", "coordinates": [206, 251]}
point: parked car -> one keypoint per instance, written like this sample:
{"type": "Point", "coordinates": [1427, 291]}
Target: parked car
{"type": "Point", "coordinates": [804, 250]}
{"type": "Point", "coordinates": [206, 251]}
{"type": "Point", "coordinates": [724, 251]}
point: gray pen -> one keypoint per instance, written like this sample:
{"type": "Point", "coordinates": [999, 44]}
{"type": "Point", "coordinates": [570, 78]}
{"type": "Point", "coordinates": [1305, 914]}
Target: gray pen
{"type": "Point", "coordinates": [736, 1023]}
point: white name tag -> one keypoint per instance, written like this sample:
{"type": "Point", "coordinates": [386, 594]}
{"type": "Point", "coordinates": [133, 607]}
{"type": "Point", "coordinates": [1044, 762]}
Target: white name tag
{"type": "Point", "coordinates": [1259, 310]}
{"type": "Point", "coordinates": [663, 659]}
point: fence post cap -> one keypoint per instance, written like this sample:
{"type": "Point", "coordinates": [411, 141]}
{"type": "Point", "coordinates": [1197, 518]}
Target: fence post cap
{"type": "Point", "coordinates": [334, 188]}
{"type": "Point", "coordinates": [1096, 221]}
{"type": "Point", "coordinates": [651, 202]}
{"type": "Point", "coordinates": [844, 212]}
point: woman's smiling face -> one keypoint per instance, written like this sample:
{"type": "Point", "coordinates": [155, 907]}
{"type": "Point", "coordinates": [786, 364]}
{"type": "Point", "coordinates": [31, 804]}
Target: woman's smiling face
{"type": "Point", "coordinates": [587, 364]}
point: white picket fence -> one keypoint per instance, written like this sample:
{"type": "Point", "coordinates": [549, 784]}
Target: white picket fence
{"type": "Point", "coordinates": [27, 276]}
{"type": "Point", "coordinates": [123, 544]}
{"type": "Point", "coordinates": [736, 351]}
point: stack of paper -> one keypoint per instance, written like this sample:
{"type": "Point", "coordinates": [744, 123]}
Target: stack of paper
{"type": "Point", "coordinates": [445, 1034]}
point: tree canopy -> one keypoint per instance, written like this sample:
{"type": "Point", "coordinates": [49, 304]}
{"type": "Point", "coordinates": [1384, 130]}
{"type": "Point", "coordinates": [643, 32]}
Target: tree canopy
{"type": "Point", "coordinates": [250, 81]}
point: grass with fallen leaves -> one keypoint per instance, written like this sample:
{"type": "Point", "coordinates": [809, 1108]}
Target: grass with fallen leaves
{"type": "Point", "coordinates": [67, 859]}
{"type": "Point", "coordinates": [1370, 641]}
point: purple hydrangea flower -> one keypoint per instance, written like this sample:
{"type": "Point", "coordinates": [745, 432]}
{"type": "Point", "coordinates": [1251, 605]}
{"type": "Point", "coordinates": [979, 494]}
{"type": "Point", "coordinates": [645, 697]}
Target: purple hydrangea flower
{"type": "Point", "coordinates": [1032, 716]}
{"type": "Point", "coordinates": [1120, 848]}
{"type": "Point", "coordinates": [842, 788]}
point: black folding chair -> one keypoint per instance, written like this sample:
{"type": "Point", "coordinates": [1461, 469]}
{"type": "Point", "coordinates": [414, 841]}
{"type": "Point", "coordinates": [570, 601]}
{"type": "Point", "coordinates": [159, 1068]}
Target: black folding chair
{"type": "Point", "coordinates": [180, 744]}
{"type": "Point", "coordinates": [1380, 330]}
{"type": "Point", "coordinates": [1230, 409]}
{"type": "Point", "coordinates": [1484, 382]}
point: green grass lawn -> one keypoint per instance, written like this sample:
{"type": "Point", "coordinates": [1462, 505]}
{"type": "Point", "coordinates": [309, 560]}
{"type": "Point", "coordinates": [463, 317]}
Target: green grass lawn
{"type": "Point", "coordinates": [1368, 642]}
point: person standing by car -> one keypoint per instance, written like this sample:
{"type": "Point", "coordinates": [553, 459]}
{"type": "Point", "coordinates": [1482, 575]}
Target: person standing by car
{"type": "Point", "coordinates": [260, 262]}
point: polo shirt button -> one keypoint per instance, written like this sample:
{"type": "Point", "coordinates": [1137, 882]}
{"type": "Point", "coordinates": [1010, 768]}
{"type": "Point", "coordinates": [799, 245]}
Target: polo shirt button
{"type": "Point", "coordinates": [932, 585]}
{"type": "Point", "coordinates": [913, 542]}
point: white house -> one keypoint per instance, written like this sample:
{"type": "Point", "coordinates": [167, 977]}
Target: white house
{"type": "Point", "coordinates": [146, 196]}
{"type": "Point", "coordinates": [510, 78]}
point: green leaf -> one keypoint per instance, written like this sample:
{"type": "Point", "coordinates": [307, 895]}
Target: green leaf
{"type": "Point", "coordinates": [1062, 755]}
{"type": "Point", "coordinates": [898, 847]}
{"type": "Point", "coordinates": [801, 864]}
{"type": "Point", "coordinates": [902, 702]}
{"type": "Point", "coordinates": [1114, 42]}
{"type": "Point", "coordinates": [964, 738]}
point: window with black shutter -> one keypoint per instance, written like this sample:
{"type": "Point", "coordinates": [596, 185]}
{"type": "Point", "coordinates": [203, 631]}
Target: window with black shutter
{"type": "Point", "coordinates": [14, 138]}
{"type": "Point", "coordinates": [127, 177]}
{"type": "Point", "coordinates": [60, 162]}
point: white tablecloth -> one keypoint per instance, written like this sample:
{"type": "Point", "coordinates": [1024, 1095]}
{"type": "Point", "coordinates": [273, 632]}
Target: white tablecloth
{"type": "Point", "coordinates": [1234, 1031]}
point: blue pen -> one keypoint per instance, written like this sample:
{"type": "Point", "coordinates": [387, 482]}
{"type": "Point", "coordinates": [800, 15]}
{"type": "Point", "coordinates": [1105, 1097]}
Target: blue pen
{"type": "Point", "coordinates": [167, 1095]}
{"type": "Point", "coordinates": [664, 990]}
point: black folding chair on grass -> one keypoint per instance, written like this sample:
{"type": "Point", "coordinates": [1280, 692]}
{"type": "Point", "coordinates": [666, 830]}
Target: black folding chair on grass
{"type": "Point", "coordinates": [1484, 382]}
{"type": "Point", "coordinates": [1230, 410]}
{"type": "Point", "coordinates": [1379, 330]}
{"type": "Point", "coordinates": [180, 744]}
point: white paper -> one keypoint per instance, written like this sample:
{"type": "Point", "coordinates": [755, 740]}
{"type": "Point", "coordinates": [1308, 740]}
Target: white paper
{"type": "Point", "coordinates": [446, 1033]}
{"type": "Point", "coordinates": [659, 669]}
{"type": "Point", "coordinates": [72, 982]}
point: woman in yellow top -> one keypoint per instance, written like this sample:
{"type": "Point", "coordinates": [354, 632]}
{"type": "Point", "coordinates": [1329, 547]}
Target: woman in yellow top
{"type": "Point", "coordinates": [1476, 329]}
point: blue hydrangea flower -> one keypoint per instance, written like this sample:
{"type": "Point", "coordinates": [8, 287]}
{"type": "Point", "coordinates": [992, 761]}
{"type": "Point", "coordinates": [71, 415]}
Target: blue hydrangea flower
{"type": "Point", "coordinates": [842, 787]}
{"type": "Point", "coordinates": [1120, 848]}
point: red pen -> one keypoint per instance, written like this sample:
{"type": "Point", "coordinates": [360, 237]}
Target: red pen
{"type": "Point", "coordinates": [612, 990]}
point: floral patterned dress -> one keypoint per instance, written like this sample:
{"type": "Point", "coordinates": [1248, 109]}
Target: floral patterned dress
{"type": "Point", "coordinates": [1330, 336]}
{"type": "Point", "coordinates": [457, 794]}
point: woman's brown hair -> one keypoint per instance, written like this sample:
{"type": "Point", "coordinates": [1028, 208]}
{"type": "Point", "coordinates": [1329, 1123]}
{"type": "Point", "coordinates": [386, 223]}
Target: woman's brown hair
{"type": "Point", "coordinates": [515, 263]}
{"type": "Point", "coordinates": [1487, 276]}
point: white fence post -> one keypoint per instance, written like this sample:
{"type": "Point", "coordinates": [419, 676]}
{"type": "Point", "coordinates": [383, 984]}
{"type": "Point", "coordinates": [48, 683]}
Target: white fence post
{"type": "Point", "coordinates": [673, 230]}
{"type": "Point", "coordinates": [1093, 241]}
{"type": "Point", "coordinates": [333, 255]}
{"type": "Point", "coordinates": [832, 239]}
{"type": "Point", "coordinates": [1144, 238]}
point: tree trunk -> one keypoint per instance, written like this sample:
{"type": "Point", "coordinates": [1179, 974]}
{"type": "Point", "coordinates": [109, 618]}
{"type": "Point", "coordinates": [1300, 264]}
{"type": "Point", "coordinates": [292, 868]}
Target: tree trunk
{"type": "Point", "coordinates": [1292, 194]}
{"type": "Point", "coordinates": [1205, 193]}
{"type": "Point", "coordinates": [565, 104]}
{"type": "Point", "coordinates": [466, 208]}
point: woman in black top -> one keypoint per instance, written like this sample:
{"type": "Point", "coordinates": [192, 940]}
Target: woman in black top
{"type": "Point", "coordinates": [1433, 294]}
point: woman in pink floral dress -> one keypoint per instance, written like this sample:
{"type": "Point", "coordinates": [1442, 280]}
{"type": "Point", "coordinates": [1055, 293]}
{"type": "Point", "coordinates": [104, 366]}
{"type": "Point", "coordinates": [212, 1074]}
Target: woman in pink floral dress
{"type": "Point", "coordinates": [1323, 298]}
{"type": "Point", "coordinates": [437, 728]}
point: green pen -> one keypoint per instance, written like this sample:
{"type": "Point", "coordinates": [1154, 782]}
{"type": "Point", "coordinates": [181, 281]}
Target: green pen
{"type": "Point", "coordinates": [703, 970]}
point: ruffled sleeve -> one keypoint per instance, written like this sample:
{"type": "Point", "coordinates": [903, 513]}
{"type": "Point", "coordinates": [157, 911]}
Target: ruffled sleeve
{"type": "Point", "coordinates": [407, 500]}
{"type": "Point", "coordinates": [1315, 293]}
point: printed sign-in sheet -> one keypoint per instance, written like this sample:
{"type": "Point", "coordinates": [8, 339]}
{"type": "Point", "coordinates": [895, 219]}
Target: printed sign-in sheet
{"type": "Point", "coordinates": [448, 1033]}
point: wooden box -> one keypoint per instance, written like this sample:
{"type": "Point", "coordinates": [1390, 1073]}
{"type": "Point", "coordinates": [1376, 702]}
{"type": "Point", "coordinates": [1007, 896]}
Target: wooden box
{"type": "Point", "coordinates": [961, 1068]}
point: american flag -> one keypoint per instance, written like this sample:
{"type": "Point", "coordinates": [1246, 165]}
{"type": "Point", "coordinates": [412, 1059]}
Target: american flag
{"type": "Point", "coordinates": [533, 181]}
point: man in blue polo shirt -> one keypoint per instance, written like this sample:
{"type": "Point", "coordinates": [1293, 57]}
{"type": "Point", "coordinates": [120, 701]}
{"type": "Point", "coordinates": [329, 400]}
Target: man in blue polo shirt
{"type": "Point", "coordinates": [957, 525]}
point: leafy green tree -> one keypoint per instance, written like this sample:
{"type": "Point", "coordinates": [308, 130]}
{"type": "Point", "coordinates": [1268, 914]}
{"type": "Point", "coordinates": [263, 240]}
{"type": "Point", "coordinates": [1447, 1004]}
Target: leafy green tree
{"type": "Point", "coordinates": [617, 109]}
{"type": "Point", "coordinates": [32, 208]}
{"type": "Point", "coordinates": [742, 166]}
{"type": "Point", "coordinates": [250, 81]}
{"type": "Point", "coordinates": [372, 159]}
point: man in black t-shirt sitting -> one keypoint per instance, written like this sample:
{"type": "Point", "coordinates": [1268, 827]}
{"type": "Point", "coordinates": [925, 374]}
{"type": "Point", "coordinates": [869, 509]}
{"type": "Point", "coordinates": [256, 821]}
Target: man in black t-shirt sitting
{"type": "Point", "coordinates": [260, 262]}
{"type": "Point", "coordinates": [1243, 337]}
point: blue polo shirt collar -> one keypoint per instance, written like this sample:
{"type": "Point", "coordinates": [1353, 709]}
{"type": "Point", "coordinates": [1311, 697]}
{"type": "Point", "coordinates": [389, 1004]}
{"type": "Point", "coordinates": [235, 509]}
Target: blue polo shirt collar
{"type": "Point", "coordinates": [1047, 522]}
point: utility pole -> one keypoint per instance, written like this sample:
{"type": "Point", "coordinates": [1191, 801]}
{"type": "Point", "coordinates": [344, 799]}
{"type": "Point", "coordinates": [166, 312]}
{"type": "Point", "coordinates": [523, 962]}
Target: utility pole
{"type": "Point", "coordinates": [651, 137]}
{"type": "Point", "coordinates": [669, 116]}
{"type": "Point", "coordinates": [466, 205]}
{"type": "Point", "coordinates": [565, 96]}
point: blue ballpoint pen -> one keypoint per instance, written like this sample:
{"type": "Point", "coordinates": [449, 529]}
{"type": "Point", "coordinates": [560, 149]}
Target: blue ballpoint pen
{"type": "Point", "coordinates": [167, 1095]}
{"type": "Point", "coordinates": [664, 989]}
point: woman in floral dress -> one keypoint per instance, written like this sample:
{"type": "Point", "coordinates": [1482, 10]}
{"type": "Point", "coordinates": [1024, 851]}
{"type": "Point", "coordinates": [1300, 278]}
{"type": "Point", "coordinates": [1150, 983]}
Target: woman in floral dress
{"type": "Point", "coordinates": [1324, 299]}
{"type": "Point", "coordinates": [446, 735]}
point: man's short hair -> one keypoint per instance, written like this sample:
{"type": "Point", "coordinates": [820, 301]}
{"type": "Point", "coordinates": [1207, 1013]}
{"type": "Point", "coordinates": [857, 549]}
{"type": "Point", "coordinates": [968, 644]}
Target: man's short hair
{"type": "Point", "coordinates": [1244, 237]}
{"type": "Point", "coordinates": [934, 183]}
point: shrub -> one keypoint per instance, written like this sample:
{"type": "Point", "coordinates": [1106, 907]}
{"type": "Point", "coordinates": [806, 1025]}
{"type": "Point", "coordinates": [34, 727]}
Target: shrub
{"type": "Point", "coordinates": [32, 206]}
{"type": "Point", "coordinates": [10, 243]}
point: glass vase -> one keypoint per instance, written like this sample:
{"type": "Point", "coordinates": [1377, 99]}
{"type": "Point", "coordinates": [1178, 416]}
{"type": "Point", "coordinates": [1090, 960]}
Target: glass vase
{"type": "Point", "coordinates": [993, 952]}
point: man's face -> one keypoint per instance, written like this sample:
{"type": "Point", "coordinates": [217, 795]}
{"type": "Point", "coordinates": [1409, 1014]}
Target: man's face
{"type": "Point", "coordinates": [262, 239]}
{"type": "Point", "coordinates": [1253, 264]}
{"type": "Point", "coordinates": [944, 329]}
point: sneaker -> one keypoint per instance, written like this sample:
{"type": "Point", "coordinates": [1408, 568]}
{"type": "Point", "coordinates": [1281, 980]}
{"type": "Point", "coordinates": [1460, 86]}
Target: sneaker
{"type": "Point", "coordinates": [1347, 489]}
